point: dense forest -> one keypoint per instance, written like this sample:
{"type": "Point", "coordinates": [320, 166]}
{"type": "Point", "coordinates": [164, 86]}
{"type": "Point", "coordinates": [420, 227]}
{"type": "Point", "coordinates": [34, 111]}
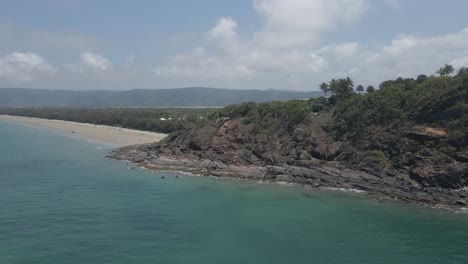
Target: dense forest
{"type": "Point", "coordinates": [163, 120]}
{"type": "Point", "coordinates": [437, 102]}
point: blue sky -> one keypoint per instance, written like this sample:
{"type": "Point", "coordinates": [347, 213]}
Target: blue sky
{"type": "Point", "coordinates": [263, 44]}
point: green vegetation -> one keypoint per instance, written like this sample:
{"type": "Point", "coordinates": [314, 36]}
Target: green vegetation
{"type": "Point", "coordinates": [446, 70]}
{"type": "Point", "coordinates": [370, 89]}
{"type": "Point", "coordinates": [165, 120]}
{"type": "Point", "coordinates": [287, 114]}
{"type": "Point", "coordinates": [386, 129]}
{"type": "Point", "coordinates": [431, 101]}
{"type": "Point", "coordinates": [437, 102]}
{"type": "Point", "coordinates": [360, 89]}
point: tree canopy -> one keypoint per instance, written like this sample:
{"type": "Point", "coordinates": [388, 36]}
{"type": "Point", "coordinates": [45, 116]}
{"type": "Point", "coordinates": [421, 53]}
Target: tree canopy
{"type": "Point", "coordinates": [446, 70]}
{"type": "Point", "coordinates": [360, 89]}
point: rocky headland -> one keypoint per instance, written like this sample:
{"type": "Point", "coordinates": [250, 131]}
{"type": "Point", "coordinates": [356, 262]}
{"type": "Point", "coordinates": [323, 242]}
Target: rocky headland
{"type": "Point", "coordinates": [405, 141]}
{"type": "Point", "coordinates": [220, 150]}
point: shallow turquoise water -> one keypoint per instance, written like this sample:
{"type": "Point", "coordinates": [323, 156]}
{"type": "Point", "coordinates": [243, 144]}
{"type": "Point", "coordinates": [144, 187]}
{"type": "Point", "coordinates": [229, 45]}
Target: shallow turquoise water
{"type": "Point", "coordinates": [61, 202]}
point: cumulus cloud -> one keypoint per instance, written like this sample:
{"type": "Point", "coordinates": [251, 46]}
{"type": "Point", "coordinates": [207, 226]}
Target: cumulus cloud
{"type": "Point", "coordinates": [301, 22]}
{"type": "Point", "coordinates": [303, 67]}
{"type": "Point", "coordinates": [95, 61]}
{"type": "Point", "coordinates": [284, 53]}
{"type": "Point", "coordinates": [24, 67]}
{"type": "Point", "coordinates": [286, 47]}
{"type": "Point", "coordinates": [223, 37]}
{"type": "Point", "coordinates": [409, 55]}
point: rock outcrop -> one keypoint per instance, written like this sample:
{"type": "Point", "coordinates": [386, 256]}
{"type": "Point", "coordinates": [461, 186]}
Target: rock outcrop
{"type": "Point", "coordinates": [307, 155]}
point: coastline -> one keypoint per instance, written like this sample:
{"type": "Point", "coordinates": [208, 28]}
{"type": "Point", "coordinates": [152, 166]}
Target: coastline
{"type": "Point", "coordinates": [132, 146]}
{"type": "Point", "coordinates": [115, 137]}
{"type": "Point", "coordinates": [325, 176]}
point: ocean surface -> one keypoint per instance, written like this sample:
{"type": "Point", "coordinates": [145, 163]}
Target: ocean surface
{"type": "Point", "coordinates": [62, 202]}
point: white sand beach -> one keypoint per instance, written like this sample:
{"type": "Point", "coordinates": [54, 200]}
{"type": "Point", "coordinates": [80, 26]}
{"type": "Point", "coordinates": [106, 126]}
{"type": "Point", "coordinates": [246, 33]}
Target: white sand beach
{"type": "Point", "coordinates": [112, 136]}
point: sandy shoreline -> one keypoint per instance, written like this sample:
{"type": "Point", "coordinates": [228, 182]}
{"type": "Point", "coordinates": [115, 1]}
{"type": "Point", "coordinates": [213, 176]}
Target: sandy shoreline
{"type": "Point", "coordinates": [111, 136]}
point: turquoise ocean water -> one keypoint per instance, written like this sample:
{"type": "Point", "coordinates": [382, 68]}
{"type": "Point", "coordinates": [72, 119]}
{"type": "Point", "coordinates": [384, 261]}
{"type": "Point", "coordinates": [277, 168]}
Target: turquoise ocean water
{"type": "Point", "coordinates": [61, 202]}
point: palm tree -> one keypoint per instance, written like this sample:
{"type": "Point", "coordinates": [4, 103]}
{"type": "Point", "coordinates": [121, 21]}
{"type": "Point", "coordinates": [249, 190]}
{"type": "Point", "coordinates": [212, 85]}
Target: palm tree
{"type": "Point", "coordinates": [333, 87]}
{"type": "Point", "coordinates": [342, 88]}
{"type": "Point", "coordinates": [325, 88]}
{"type": "Point", "coordinates": [349, 83]}
{"type": "Point", "coordinates": [446, 70]}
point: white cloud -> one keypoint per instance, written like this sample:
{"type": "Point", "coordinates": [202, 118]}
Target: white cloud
{"type": "Point", "coordinates": [24, 67]}
{"type": "Point", "coordinates": [411, 55]}
{"type": "Point", "coordinates": [301, 22]}
{"type": "Point", "coordinates": [282, 49]}
{"type": "Point", "coordinates": [223, 37]}
{"type": "Point", "coordinates": [284, 53]}
{"type": "Point", "coordinates": [95, 61]}
{"type": "Point", "coordinates": [303, 68]}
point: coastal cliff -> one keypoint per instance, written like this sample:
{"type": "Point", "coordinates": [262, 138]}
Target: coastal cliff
{"type": "Point", "coordinates": [406, 141]}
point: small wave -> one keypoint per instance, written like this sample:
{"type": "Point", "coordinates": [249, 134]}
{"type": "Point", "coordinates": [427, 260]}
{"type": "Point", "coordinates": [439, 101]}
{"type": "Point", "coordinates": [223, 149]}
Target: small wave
{"type": "Point", "coordinates": [343, 190]}
{"type": "Point", "coordinates": [282, 183]}
{"type": "Point", "coordinates": [185, 173]}
{"type": "Point", "coordinates": [462, 210]}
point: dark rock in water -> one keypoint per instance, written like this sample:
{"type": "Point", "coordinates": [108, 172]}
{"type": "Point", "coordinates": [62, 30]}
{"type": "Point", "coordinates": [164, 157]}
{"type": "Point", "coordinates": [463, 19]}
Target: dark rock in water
{"type": "Point", "coordinates": [163, 177]}
{"type": "Point", "coordinates": [204, 188]}
{"type": "Point", "coordinates": [308, 195]}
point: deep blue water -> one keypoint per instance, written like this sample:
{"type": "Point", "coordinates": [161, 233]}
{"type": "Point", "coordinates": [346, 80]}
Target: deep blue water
{"type": "Point", "coordinates": [62, 202]}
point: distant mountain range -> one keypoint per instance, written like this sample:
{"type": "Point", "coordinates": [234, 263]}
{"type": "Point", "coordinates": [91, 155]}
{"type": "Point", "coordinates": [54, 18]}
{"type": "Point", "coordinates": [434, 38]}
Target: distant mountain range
{"type": "Point", "coordinates": [181, 97]}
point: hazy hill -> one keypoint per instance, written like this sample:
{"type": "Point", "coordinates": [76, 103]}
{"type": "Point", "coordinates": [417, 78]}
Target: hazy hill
{"type": "Point", "coordinates": [199, 96]}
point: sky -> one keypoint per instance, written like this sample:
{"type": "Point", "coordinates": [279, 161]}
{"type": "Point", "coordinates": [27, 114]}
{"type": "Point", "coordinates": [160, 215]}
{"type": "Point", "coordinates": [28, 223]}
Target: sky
{"type": "Point", "coordinates": [239, 44]}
